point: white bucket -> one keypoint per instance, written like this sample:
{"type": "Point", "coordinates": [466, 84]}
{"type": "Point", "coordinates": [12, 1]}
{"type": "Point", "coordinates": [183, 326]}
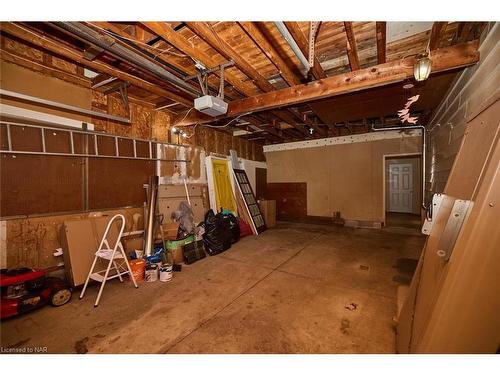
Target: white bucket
{"type": "Point", "coordinates": [166, 273]}
{"type": "Point", "coordinates": [139, 254]}
{"type": "Point", "coordinates": [151, 273]}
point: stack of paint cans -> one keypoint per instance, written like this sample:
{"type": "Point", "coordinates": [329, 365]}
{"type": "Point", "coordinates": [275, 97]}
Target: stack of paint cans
{"type": "Point", "coordinates": [151, 273]}
{"type": "Point", "coordinates": [166, 273]}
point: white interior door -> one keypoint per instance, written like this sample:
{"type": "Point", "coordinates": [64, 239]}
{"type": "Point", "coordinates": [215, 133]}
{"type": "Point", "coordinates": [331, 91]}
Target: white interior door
{"type": "Point", "coordinates": [401, 188]}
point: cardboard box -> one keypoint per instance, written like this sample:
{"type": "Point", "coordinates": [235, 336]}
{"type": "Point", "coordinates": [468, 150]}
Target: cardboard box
{"type": "Point", "coordinates": [170, 230]}
{"type": "Point", "coordinates": [268, 210]}
{"type": "Point", "coordinates": [80, 239]}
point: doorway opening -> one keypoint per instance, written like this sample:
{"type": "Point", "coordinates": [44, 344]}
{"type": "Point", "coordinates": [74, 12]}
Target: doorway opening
{"type": "Point", "coordinates": [403, 193]}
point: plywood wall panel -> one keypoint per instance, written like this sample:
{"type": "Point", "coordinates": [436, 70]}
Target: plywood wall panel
{"type": "Point", "coordinates": [31, 242]}
{"type": "Point", "coordinates": [34, 184]}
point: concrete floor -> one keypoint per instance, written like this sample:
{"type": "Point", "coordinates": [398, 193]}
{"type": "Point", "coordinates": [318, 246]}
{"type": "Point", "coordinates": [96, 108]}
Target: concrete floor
{"type": "Point", "coordinates": [297, 288]}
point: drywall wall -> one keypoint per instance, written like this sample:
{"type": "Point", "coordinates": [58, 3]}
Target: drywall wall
{"type": "Point", "coordinates": [346, 177]}
{"type": "Point", "coordinates": [453, 305]}
{"type": "Point", "coordinates": [417, 187]}
{"type": "Point", "coordinates": [474, 89]}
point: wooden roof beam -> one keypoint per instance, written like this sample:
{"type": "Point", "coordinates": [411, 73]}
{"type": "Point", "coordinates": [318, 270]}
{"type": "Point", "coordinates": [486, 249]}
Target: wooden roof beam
{"type": "Point", "coordinates": [208, 34]}
{"type": "Point", "coordinates": [205, 32]}
{"type": "Point", "coordinates": [437, 31]}
{"type": "Point", "coordinates": [290, 120]}
{"type": "Point", "coordinates": [52, 46]}
{"type": "Point", "coordinates": [269, 129]}
{"type": "Point", "coordinates": [181, 43]}
{"type": "Point", "coordinates": [255, 33]}
{"type": "Point", "coordinates": [381, 28]}
{"type": "Point", "coordinates": [319, 131]}
{"type": "Point", "coordinates": [301, 40]}
{"type": "Point", "coordinates": [443, 59]}
{"type": "Point", "coordinates": [352, 48]}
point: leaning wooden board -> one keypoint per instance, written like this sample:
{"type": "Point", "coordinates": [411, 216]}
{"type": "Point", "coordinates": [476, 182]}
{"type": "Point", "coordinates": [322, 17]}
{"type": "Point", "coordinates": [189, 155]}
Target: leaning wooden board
{"type": "Point", "coordinates": [80, 239]}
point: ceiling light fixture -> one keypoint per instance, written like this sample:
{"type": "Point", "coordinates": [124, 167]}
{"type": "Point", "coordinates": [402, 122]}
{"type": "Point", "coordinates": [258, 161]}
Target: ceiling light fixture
{"type": "Point", "coordinates": [422, 67]}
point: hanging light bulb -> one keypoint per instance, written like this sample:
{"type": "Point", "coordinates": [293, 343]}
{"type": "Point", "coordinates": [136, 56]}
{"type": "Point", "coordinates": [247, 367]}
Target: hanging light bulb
{"type": "Point", "coordinates": [422, 67]}
{"type": "Point", "coordinates": [174, 130]}
{"type": "Point", "coordinates": [184, 135]}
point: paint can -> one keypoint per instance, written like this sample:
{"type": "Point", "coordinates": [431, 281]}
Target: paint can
{"type": "Point", "coordinates": [151, 274]}
{"type": "Point", "coordinates": [137, 267]}
{"type": "Point", "coordinates": [166, 273]}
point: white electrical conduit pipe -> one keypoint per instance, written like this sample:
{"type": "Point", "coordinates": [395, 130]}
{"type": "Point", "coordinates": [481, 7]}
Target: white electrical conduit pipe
{"type": "Point", "coordinates": [293, 45]}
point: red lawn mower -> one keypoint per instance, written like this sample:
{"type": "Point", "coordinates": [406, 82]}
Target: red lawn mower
{"type": "Point", "coordinates": [25, 289]}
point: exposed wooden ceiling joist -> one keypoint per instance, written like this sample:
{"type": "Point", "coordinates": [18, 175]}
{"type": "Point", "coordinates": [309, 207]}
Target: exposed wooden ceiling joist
{"type": "Point", "coordinates": [42, 41]}
{"type": "Point", "coordinates": [255, 33]}
{"type": "Point", "coordinates": [301, 40]}
{"type": "Point", "coordinates": [444, 59]}
{"type": "Point", "coordinates": [381, 28]}
{"type": "Point", "coordinates": [436, 34]}
{"type": "Point", "coordinates": [181, 43]}
{"type": "Point", "coordinates": [352, 49]}
{"type": "Point", "coordinates": [208, 34]}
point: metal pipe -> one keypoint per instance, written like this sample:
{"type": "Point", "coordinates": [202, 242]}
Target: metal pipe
{"type": "Point", "coordinates": [50, 103]}
{"type": "Point", "coordinates": [91, 36]}
{"type": "Point", "coordinates": [293, 45]}
{"type": "Point", "coordinates": [422, 128]}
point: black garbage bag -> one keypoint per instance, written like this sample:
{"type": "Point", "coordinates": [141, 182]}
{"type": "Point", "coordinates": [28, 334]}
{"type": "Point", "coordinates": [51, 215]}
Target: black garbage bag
{"type": "Point", "coordinates": [234, 226]}
{"type": "Point", "coordinates": [217, 236]}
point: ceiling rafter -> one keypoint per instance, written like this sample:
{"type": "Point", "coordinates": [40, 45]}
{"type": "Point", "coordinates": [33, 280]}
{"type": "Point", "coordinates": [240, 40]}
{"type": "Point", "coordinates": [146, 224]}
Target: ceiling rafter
{"type": "Point", "coordinates": [352, 48]}
{"type": "Point", "coordinates": [209, 35]}
{"type": "Point", "coordinates": [162, 58]}
{"type": "Point", "coordinates": [437, 32]}
{"type": "Point", "coordinates": [381, 30]}
{"type": "Point", "coordinates": [39, 40]}
{"type": "Point", "coordinates": [444, 59]}
{"type": "Point", "coordinates": [181, 43]}
{"type": "Point", "coordinates": [255, 33]}
{"type": "Point", "coordinates": [301, 40]}
{"type": "Point", "coordinates": [319, 131]}
{"type": "Point", "coordinates": [260, 40]}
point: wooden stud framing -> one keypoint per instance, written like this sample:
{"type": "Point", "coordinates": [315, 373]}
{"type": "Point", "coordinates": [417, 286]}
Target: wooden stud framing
{"type": "Point", "coordinates": [43, 42]}
{"type": "Point", "coordinates": [352, 48]}
{"type": "Point", "coordinates": [381, 42]}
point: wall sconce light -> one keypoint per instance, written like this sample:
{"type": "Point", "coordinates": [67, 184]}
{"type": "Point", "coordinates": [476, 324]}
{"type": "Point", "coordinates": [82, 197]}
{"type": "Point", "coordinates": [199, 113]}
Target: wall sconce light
{"type": "Point", "coordinates": [179, 133]}
{"type": "Point", "coordinates": [422, 67]}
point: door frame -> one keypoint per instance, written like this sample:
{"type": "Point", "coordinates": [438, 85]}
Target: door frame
{"type": "Point", "coordinates": [384, 165]}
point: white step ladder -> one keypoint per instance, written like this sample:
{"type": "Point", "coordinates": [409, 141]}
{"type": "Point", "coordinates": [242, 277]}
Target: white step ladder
{"type": "Point", "coordinates": [116, 258]}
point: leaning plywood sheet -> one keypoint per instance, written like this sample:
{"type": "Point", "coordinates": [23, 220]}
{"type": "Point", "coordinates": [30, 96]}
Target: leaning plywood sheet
{"type": "Point", "coordinates": [80, 239]}
{"type": "Point", "coordinates": [438, 278]}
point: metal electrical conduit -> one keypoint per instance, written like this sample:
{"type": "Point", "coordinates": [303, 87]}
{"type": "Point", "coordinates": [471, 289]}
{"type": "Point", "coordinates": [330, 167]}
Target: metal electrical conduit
{"type": "Point", "coordinates": [422, 128]}
{"type": "Point", "coordinates": [293, 44]}
{"type": "Point", "coordinates": [91, 36]}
